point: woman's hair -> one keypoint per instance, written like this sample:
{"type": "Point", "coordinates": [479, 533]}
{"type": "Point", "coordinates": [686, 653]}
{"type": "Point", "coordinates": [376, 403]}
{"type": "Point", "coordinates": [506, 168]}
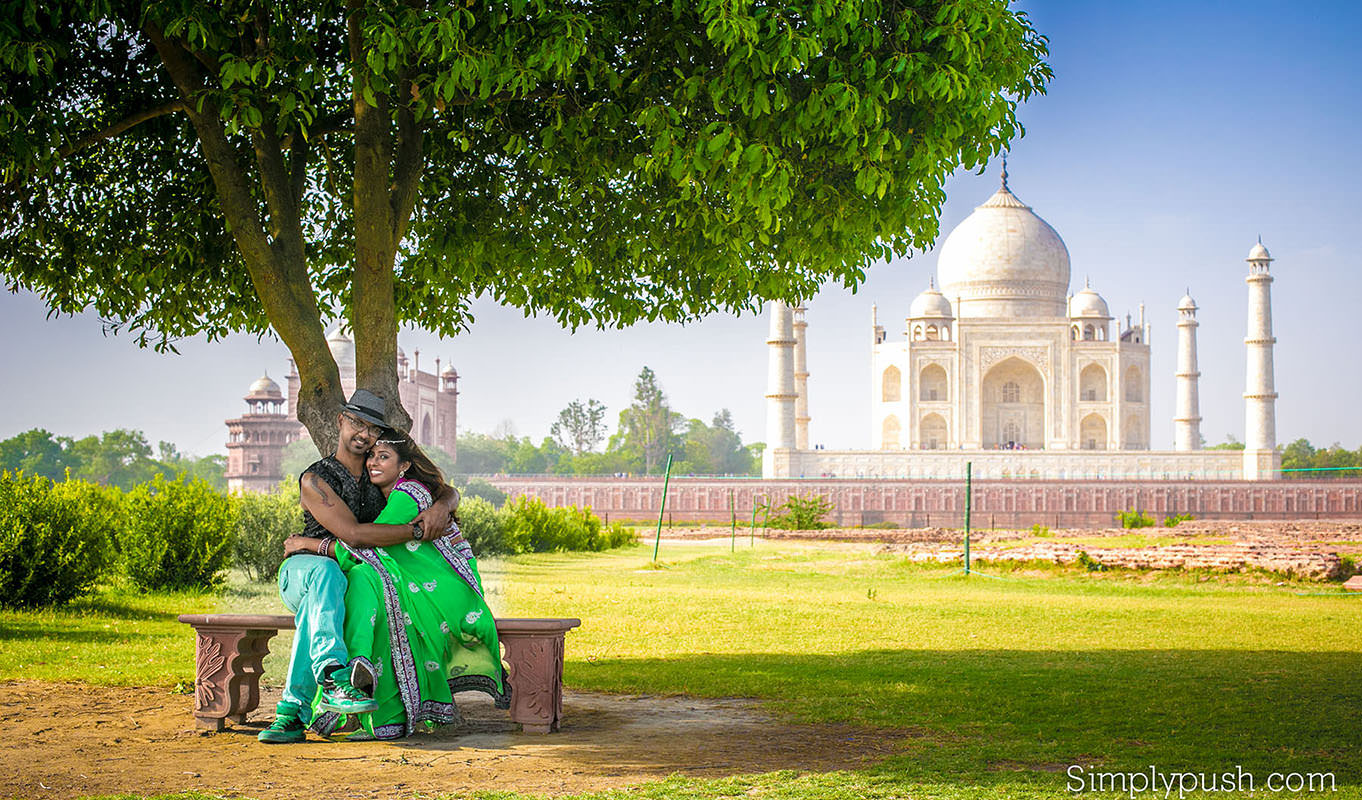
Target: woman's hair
{"type": "Point", "coordinates": [422, 468]}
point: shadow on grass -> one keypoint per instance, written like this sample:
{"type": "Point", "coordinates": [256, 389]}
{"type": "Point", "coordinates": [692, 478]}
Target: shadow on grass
{"type": "Point", "coordinates": [34, 631]}
{"type": "Point", "coordinates": [995, 717]}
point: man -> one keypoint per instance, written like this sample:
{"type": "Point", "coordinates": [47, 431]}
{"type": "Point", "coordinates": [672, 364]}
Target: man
{"type": "Point", "coordinates": [339, 502]}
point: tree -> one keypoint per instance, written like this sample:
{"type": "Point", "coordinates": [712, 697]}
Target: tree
{"type": "Point", "coordinates": [35, 452]}
{"type": "Point", "coordinates": [580, 426]}
{"type": "Point", "coordinates": [199, 168]}
{"type": "Point", "coordinates": [647, 427]}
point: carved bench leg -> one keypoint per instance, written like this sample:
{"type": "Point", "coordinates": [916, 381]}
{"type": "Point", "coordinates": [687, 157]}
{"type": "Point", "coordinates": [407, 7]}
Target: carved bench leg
{"type": "Point", "coordinates": [228, 669]}
{"type": "Point", "coordinates": [535, 670]}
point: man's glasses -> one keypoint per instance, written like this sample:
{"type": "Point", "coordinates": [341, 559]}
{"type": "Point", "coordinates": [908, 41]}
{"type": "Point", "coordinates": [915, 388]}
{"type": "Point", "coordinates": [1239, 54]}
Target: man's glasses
{"type": "Point", "coordinates": [359, 424]}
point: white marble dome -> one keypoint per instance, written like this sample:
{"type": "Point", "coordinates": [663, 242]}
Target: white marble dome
{"type": "Point", "coordinates": [342, 349]}
{"type": "Point", "coordinates": [1186, 303]}
{"type": "Point", "coordinates": [264, 388]}
{"type": "Point", "coordinates": [1258, 253]}
{"type": "Point", "coordinates": [931, 303]}
{"type": "Point", "coordinates": [1088, 304]}
{"type": "Point", "coordinates": [1005, 261]}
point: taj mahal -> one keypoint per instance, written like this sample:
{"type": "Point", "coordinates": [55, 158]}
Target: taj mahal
{"type": "Point", "coordinates": [1001, 367]}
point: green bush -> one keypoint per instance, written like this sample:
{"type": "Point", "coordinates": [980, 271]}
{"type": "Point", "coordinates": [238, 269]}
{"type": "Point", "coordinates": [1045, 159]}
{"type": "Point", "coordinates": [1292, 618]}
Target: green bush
{"type": "Point", "coordinates": [1172, 520]}
{"type": "Point", "coordinates": [477, 487]}
{"type": "Point", "coordinates": [484, 526]}
{"type": "Point", "coordinates": [55, 539]}
{"type": "Point", "coordinates": [263, 521]}
{"type": "Point", "coordinates": [1041, 531]}
{"type": "Point", "coordinates": [806, 513]}
{"type": "Point", "coordinates": [526, 525]}
{"type": "Point", "coordinates": [1134, 519]}
{"type": "Point", "coordinates": [178, 535]}
{"type": "Point", "coordinates": [1089, 563]}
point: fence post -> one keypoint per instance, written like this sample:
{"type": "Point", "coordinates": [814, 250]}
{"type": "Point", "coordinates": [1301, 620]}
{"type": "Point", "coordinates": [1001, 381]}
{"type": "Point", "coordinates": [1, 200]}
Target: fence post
{"type": "Point", "coordinates": [666, 479]}
{"type": "Point", "coordinates": [969, 490]}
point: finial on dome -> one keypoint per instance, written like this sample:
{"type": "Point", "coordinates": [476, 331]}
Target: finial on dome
{"type": "Point", "coordinates": [931, 282]}
{"type": "Point", "coordinates": [1087, 281]}
{"type": "Point", "coordinates": [1005, 189]}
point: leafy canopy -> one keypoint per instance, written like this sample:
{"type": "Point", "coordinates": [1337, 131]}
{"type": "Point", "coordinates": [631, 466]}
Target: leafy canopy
{"type": "Point", "coordinates": [602, 163]}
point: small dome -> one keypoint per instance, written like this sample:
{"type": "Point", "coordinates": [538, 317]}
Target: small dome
{"type": "Point", "coordinates": [263, 389]}
{"type": "Point", "coordinates": [342, 349]}
{"type": "Point", "coordinates": [1088, 303]}
{"type": "Point", "coordinates": [930, 303]}
{"type": "Point", "coordinates": [1186, 303]}
{"type": "Point", "coordinates": [449, 372]}
{"type": "Point", "coordinates": [401, 356]}
{"type": "Point", "coordinates": [1259, 253]}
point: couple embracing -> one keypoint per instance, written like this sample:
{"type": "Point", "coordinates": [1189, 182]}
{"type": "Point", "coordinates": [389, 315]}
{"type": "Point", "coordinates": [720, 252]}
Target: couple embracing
{"type": "Point", "coordinates": [387, 598]}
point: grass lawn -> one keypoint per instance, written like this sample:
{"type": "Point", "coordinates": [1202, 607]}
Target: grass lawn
{"type": "Point", "coordinates": [984, 686]}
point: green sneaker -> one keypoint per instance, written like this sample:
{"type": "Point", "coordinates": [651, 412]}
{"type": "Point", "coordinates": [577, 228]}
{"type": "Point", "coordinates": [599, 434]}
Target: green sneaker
{"type": "Point", "coordinates": [341, 696]}
{"type": "Point", "coordinates": [286, 728]}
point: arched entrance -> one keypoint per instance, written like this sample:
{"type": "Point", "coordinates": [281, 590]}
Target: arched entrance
{"type": "Point", "coordinates": [1012, 406]}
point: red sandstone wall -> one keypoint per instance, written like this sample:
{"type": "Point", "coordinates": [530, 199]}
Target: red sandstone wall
{"type": "Point", "coordinates": [925, 503]}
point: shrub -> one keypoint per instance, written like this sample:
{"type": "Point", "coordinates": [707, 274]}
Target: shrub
{"type": "Point", "coordinates": [1041, 531]}
{"type": "Point", "coordinates": [55, 539]}
{"type": "Point", "coordinates": [178, 535]}
{"type": "Point", "coordinates": [477, 487]}
{"type": "Point", "coordinates": [1134, 519]}
{"type": "Point", "coordinates": [484, 526]}
{"type": "Point", "coordinates": [263, 522]}
{"type": "Point", "coordinates": [1172, 520]}
{"type": "Point", "coordinates": [1089, 563]}
{"type": "Point", "coordinates": [806, 513]}
{"type": "Point", "coordinates": [536, 528]}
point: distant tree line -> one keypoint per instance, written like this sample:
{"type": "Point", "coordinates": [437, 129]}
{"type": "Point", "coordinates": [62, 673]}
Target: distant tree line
{"type": "Point", "coordinates": [648, 431]}
{"type": "Point", "coordinates": [1300, 459]}
{"type": "Point", "coordinates": [120, 458]}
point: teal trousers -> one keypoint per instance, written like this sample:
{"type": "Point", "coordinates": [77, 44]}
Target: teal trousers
{"type": "Point", "coordinates": [313, 588]}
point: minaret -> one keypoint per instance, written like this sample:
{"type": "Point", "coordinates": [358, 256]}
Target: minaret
{"type": "Point", "coordinates": [801, 381]}
{"type": "Point", "coordinates": [1187, 423]}
{"type": "Point", "coordinates": [780, 390]}
{"type": "Point", "coordinates": [1261, 460]}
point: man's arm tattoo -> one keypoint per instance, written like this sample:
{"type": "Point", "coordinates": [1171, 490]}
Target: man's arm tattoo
{"type": "Point", "coordinates": [317, 484]}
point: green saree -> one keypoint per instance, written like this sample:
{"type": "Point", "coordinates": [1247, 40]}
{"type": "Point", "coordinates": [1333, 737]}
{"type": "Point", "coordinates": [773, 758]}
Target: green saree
{"type": "Point", "coordinates": [415, 619]}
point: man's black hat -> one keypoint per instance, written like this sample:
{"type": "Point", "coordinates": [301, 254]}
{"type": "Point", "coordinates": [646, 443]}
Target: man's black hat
{"type": "Point", "coordinates": [367, 406]}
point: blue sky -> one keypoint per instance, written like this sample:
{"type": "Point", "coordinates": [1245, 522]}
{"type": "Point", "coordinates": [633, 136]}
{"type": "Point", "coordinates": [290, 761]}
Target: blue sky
{"type": "Point", "coordinates": [1173, 135]}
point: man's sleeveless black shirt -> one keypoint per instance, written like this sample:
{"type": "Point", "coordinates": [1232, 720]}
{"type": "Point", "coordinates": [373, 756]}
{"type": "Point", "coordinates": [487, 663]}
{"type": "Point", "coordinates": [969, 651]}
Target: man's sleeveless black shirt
{"type": "Point", "coordinates": [364, 499]}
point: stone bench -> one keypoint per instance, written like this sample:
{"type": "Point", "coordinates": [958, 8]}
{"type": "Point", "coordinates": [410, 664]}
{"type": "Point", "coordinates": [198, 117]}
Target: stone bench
{"type": "Point", "coordinates": [229, 649]}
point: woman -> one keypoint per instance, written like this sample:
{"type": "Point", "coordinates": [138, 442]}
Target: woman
{"type": "Point", "coordinates": [416, 623]}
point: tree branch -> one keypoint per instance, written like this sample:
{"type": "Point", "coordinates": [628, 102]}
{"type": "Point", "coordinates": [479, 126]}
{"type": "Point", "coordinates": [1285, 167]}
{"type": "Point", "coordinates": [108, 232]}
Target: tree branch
{"type": "Point", "coordinates": [406, 171]}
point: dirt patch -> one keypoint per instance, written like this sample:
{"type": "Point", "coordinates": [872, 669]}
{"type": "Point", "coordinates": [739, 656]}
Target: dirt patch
{"type": "Point", "coordinates": [67, 740]}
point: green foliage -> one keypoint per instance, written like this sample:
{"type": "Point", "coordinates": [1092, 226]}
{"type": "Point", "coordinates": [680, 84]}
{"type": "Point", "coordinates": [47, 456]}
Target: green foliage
{"type": "Point", "coordinates": [119, 458]}
{"type": "Point", "coordinates": [1089, 563]}
{"type": "Point", "coordinates": [1172, 520]}
{"type": "Point", "coordinates": [527, 525]}
{"type": "Point", "coordinates": [1134, 519]}
{"type": "Point", "coordinates": [485, 527]}
{"type": "Point", "coordinates": [263, 521]}
{"type": "Point", "coordinates": [803, 513]}
{"type": "Point", "coordinates": [1041, 531]}
{"type": "Point", "coordinates": [669, 160]}
{"type": "Point", "coordinates": [1230, 443]}
{"type": "Point", "coordinates": [715, 449]}
{"type": "Point", "coordinates": [477, 487]}
{"type": "Point", "coordinates": [580, 427]}
{"type": "Point", "coordinates": [178, 536]}
{"type": "Point", "coordinates": [55, 539]}
{"type": "Point", "coordinates": [647, 428]}
{"type": "Point", "coordinates": [1300, 459]}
